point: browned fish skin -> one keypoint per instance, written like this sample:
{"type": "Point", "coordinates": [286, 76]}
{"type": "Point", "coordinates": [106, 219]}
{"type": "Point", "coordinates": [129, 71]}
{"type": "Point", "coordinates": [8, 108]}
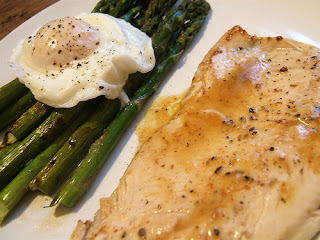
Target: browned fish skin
{"type": "Point", "coordinates": [241, 160]}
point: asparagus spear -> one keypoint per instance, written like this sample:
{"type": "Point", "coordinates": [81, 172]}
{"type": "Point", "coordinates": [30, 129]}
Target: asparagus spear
{"type": "Point", "coordinates": [121, 7]}
{"type": "Point", "coordinates": [14, 89]}
{"type": "Point", "coordinates": [195, 8]}
{"type": "Point", "coordinates": [37, 113]}
{"type": "Point", "coordinates": [115, 8]}
{"type": "Point", "coordinates": [132, 14]}
{"type": "Point", "coordinates": [22, 154]}
{"type": "Point", "coordinates": [10, 92]}
{"type": "Point", "coordinates": [38, 140]}
{"type": "Point", "coordinates": [11, 114]}
{"type": "Point", "coordinates": [11, 195]}
{"type": "Point", "coordinates": [26, 123]}
{"type": "Point", "coordinates": [151, 18]}
{"type": "Point", "coordinates": [8, 149]}
{"type": "Point", "coordinates": [51, 176]}
{"type": "Point", "coordinates": [171, 23]}
{"type": "Point", "coordinates": [104, 6]}
{"type": "Point", "coordinates": [80, 181]}
{"type": "Point", "coordinates": [139, 20]}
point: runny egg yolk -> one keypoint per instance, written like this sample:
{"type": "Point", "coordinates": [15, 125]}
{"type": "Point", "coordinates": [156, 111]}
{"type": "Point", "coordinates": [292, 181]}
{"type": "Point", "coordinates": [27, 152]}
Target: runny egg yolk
{"type": "Point", "coordinates": [61, 41]}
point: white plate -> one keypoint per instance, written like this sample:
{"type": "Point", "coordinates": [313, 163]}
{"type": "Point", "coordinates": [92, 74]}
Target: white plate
{"type": "Point", "coordinates": [295, 19]}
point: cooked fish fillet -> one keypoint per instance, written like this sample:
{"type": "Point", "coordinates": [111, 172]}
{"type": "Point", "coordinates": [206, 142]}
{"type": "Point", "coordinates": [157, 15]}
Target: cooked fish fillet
{"type": "Point", "coordinates": [241, 159]}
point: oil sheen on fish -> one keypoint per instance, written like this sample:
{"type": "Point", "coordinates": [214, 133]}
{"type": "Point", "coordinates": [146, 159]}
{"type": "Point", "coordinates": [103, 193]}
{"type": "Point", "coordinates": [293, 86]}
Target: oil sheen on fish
{"type": "Point", "coordinates": [240, 160]}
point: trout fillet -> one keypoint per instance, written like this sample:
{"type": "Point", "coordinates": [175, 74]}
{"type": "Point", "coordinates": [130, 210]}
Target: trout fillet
{"type": "Point", "coordinates": [240, 160]}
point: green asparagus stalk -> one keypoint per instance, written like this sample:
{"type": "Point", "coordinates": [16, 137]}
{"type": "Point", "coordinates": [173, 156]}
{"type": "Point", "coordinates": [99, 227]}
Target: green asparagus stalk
{"type": "Point", "coordinates": [195, 8]}
{"type": "Point", "coordinates": [104, 6]}
{"type": "Point", "coordinates": [8, 149]}
{"type": "Point", "coordinates": [139, 20]}
{"type": "Point", "coordinates": [132, 14]}
{"type": "Point", "coordinates": [68, 156]}
{"type": "Point", "coordinates": [10, 92]}
{"type": "Point", "coordinates": [114, 8]}
{"type": "Point", "coordinates": [11, 195]}
{"type": "Point", "coordinates": [154, 14]}
{"type": "Point", "coordinates": [37, 113]}
{"type": "Point", "coordinates": [38, 140]}
{"type": "Point", "coordinates": [121, 7]}
{"type": "Point", "coordinates": [16, 189]}
{"type": "Point", "coordinates": [80, 181]}
{"type": "Point", "coordinates": [13, 162]}
{"type": "Point", "coordinates": [11, 114]}
{"type": "Point", "coordinates": [50, 177]}
{"type": "Point", "coordinates": [171, 23]}
{"type": "Point", "coordinates": [26, 123]}
{"type": "Point", "coordinates": [33, 117]}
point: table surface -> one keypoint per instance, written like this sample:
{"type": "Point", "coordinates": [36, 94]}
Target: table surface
{"type": "Point", "coordinates": [14, 13]}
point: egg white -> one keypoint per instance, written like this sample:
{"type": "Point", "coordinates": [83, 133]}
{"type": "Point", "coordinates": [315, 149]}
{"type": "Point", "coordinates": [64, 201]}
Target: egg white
{"type": "Point", "coordinates": [122, 49]}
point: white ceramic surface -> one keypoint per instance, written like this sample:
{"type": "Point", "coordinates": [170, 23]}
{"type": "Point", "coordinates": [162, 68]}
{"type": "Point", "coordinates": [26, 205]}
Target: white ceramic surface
{"type": "Point", "coordinates": [295, 19]}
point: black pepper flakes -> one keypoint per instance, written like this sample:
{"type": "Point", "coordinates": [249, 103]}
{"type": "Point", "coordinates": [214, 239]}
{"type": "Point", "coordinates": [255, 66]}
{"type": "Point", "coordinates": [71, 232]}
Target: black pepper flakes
{"type": "Point", "coordinates": [251, 110]}
{"type": "Point", "coordinates": [283, 69]}
{"type": "Point", "coordinates": [254, 132]}
{"type": "Point", "coordinates": [142, 233]}
{"type": "Point", "coordinates": [247, 178]}
{"type": "Point", "coordinates": [314, 66]}
{"type": "Point", "coordinates": [283, 200]}
{"type": "Point", "coordinates": [218, 169]}
{"type": "Point", "coordinates": [216, 232]}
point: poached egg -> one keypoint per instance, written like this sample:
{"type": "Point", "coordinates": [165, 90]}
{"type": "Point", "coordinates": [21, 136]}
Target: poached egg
{"type": "Point", "coordinates": [74, 59]}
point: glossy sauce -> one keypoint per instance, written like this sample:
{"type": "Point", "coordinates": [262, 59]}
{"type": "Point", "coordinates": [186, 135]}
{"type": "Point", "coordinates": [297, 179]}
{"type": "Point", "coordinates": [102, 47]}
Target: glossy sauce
{"type": "Point", "coordinates": [162, 110]}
